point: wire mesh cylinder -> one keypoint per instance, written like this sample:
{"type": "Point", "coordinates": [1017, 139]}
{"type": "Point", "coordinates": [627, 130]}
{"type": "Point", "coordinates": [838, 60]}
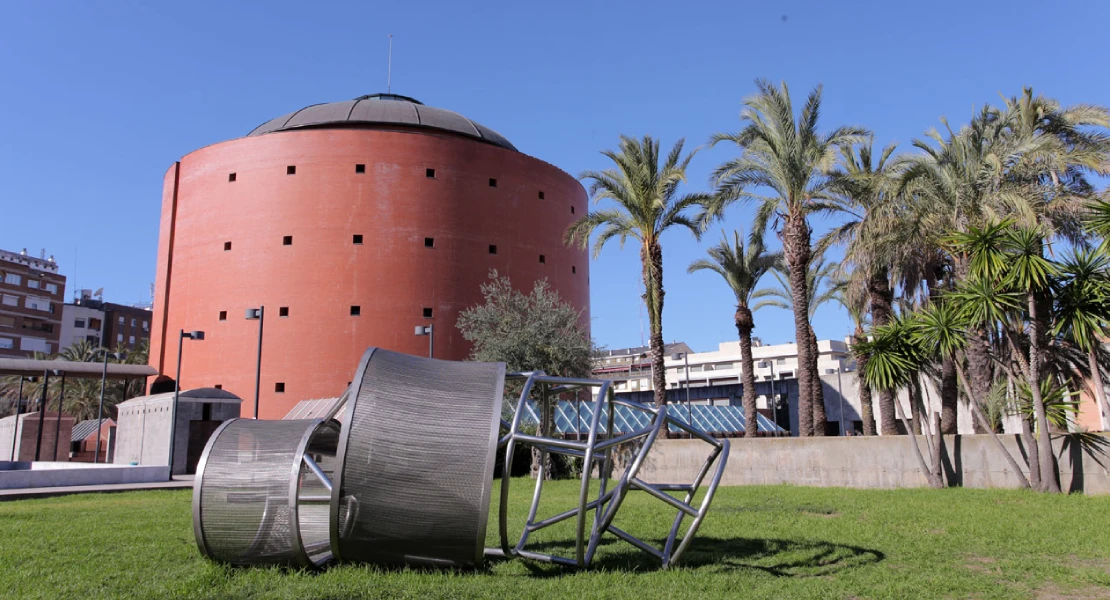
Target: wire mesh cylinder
{"type": "Point", "coordinates": [249, 496]}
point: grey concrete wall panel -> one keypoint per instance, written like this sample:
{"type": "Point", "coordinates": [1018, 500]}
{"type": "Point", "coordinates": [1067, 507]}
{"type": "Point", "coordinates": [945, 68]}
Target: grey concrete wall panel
{"type": "Point", "coordinates": [874, 462]}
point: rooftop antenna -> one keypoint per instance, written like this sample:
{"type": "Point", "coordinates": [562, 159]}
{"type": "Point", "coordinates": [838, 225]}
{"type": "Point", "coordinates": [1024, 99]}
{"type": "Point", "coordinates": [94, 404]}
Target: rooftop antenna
{"type": "Point", "coordinates": [389, 67]}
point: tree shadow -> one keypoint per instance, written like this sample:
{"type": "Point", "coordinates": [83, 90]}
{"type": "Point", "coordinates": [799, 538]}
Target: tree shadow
{"type": "Point", "coordinates": [777, 557]}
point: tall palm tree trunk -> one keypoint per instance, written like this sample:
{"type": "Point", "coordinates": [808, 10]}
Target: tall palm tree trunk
{"type": "Point", "coordinates": [949, 396]}
{"type": "Point", "coordinates": [979, 368]}
{"type": "Point", "coordinates": [653, 286]}
{"type": "Point", "coordinates": [744, 325]}
{"type": "Point", "coordinates": [867, 412]}
{"type": "Point", "coordinates": [796, 247]}
{"type": "Point", "coordinates": [882, 309]}
{"type": "Point", "coordinates": [1049, 482]}
{"type": "Point", "coordinates": [819, 418]}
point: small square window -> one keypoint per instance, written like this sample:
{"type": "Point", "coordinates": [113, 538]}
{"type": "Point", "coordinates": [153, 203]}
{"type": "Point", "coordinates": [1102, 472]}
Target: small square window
{"type": "Point", "coordinates": [493, 249]}
{"type": "Point", "coordinates": [427, 313]}
{"type": "Point", "coordinates": [356, 238]}
{"type": "Point", "coordinates": [543, 259]}
{"type": "Point", "coordinates": [227, 246]}
{"type": "Point", "coordinates": [356, 311]}
{"type": "Point", "coordinates": [287, 240]}
{"type": "Point", "coordinates": [429, 242]}
{"type": "Point", "coordinates": [541, 194]}
{"type": "Point", "coordinates": [291, 170]}
{"type": "Point", "coordinates": [492, 182]}
{"type": "Point", "coordinates": [279, 387]}
{"type": "Point", "coordinates": [572, 210]}
{"type": "Point", "coordinates": [231, 177]}
{"type": "Point", "coordinates": [223, 315]}
{"type": "Point", "coordinates": [573, 269]}
{"type": "Point", "coordinates": [360, 168]}
{"type": "Point", "coordinates": [219, 386]}
{"type": "Point", "coordinates": [430, 173]}
{"type": "Point", "coordinates": [283, 311]}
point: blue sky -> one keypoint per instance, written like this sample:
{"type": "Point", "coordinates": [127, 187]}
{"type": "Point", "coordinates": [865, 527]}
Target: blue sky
{"type": "Point", "coordinates": [99, 98]}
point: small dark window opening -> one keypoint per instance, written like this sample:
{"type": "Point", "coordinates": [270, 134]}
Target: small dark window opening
{"type": "Point", "coordinates": [356, 238]}
{"type": "Point", "coordinates": [283, 311]}
{"type": "Point", "coordinates": [427, 313]}
{"type": "Point", "coordinates": [227, 246]}
{"type": "Point", "coordinates": [356, 311]}
{"type": "Point", "coordinates": [231, 177]}
{"type": "Point", "coordinates": [492, 182]}
{"type": "Point", "coordinates": [360, 168]}
{"type": "Point", "coordinates": [279, 387]}
{"type": "Point", "coordinates": [287, 240]}
{"type": "Point", "coordinates": [493, 249]}
{"type": "Point", "coordinates": [573, 269]}
{"type": "Point", "coordinates": [429, 242]}
{"type": "Point", "coordinates": [223, 315]}
{"type": "Point", "coordinates": [430, 173]}
{"type": "Point", "coordinates": [572, 210]}
{"type": "Point", "coordinates": [541, 194]}
{"type": "Point", "coordinates": [291, 170]}
{"type": "Point", "coordinates": [543, 259]}
{"type": "Point", "coordinates": [219, 386]}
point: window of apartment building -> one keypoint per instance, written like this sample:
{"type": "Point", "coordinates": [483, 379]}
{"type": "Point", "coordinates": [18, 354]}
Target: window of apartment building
{"type": "Point", "coordinates": [6, 321]}
{"type": "Point", "coordinates": [38, 326]}
{"type": "Point", "coordinates": [79, 323]}
{"type": "Point", "coordinates": [131, 340]}
{"type": "Point", "coordinates": [12, 278]}
{"type": "Point", "coordinates": [33, 284]}
{"type": "Point", "coordinates": [52, 288]}
{"type": "Point", "coordinates": [35, 303]}
{"type": "Point", "coordinates": [134, 322]}
{"type": "Point", "coordinates": [6, 343]}
{"type": "Point", "coordinates": [121, 320]}
{"type": "Point", "coordinates": [146, 326]}
{"type": "Point", "coordinates": [94, 324]}
{"type": "Point", "coordinates": [781, 361]}
{"type": "Point", "coordinates": [93, 339]}
{"type": "Point", "coordinates": [119, 338]}
{"type": "Point", "coordinates": [11, 300]}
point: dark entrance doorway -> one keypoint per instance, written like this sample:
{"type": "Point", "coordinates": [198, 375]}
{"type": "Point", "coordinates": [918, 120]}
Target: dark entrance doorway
{"type": "Point", "coordinates": [199, 432]}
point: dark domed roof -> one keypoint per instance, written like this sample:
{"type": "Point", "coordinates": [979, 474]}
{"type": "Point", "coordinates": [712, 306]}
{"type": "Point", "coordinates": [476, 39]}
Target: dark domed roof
{"type": "Point", "coordinates": [381, 109]}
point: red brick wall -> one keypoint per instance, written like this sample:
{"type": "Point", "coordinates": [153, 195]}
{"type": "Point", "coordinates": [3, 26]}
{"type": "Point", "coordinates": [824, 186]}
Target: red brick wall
{"type": "Point", "coordinates": [392, 276]}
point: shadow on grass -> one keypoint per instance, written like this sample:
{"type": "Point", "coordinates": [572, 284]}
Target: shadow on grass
{"type": "Point", "coordinates": [780, 558]}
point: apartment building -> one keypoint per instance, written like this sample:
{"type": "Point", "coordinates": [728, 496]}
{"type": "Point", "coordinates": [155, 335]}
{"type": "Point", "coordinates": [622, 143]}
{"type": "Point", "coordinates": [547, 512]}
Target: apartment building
{"type": "Point", "coordinates": [104, 323]}
{"type": "Point", "coordinates": [31, 296]}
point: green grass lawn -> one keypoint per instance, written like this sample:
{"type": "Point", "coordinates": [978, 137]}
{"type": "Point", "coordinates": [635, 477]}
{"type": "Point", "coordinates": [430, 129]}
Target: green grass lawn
{"type": "Point", "coordinates": [758, 542]}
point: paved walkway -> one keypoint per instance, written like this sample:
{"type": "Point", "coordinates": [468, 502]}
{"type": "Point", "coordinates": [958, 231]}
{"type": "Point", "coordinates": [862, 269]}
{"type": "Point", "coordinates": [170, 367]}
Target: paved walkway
{"type": "Point", "coordinates": [179, 482]}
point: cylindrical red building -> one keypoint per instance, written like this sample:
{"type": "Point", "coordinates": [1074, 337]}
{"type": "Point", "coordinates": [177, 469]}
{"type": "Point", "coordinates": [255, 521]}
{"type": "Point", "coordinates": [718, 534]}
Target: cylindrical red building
{"type": "Point", "coordinates": [352, 223]}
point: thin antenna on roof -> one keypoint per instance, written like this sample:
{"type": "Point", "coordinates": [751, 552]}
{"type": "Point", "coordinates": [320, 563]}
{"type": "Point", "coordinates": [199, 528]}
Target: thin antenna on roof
{"type": "Point", "coordinates": [389, 68]}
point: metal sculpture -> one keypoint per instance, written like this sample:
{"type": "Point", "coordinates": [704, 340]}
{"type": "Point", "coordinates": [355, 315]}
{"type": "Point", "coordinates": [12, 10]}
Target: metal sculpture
{"type": "Point", "coordinates": [404, 476]}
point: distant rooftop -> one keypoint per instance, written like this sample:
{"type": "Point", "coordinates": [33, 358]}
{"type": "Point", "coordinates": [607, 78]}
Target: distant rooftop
{"type": "Point", "coordinates": [376, 111]}
{"type": "Point", "coordinates": [42, 264]}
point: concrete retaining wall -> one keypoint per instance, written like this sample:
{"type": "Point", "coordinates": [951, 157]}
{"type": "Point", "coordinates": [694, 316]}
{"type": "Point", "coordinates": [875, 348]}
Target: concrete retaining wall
{"type": "Point", "coordinates": [872, 462]}
{"type": "Point", "coordinates": [53, 475]}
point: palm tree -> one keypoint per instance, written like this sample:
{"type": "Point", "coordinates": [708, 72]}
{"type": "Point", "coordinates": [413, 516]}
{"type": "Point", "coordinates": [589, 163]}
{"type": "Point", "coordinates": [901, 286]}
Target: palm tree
{"type": "Point", "coordinates": [648, 203]}
{"type": "Point", "coordinates": [820, 287]}
{"type": "Point", "coordinates": [789, 158]}
{"type": "Point", "coordinates": [1083, 311]}
{"type": "Point", "coordinates": [742, 269]}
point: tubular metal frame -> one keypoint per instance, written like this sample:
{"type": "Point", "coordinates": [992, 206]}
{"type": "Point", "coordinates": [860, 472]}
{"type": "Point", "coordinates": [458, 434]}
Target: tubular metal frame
{"type": "Point", "coordinates": [598, 449]}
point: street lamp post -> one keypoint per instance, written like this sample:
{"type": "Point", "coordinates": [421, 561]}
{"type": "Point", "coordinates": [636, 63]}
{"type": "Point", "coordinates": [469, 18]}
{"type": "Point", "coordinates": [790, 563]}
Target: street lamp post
{"type": "Point", "coordinates": [100, 407]}
{"type": "Point", "coordinates": [260, 314]}
{"type": "Point", "coordinates": [192, 335]}
{"type": "Point", "coordinates": [426, 330]}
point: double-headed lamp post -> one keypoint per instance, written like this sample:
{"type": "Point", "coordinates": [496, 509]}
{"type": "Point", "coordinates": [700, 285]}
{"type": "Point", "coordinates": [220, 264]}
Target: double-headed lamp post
{"type": "Point", "coordinates": [100, 408]}
{"type": "Point", "coordinates": [191, 335]}
{"type": "Point", "coordinates": [426, 330]}
{"type": "Point", "coordinates": [259, 314]}
{"type": "Point", "coordinates": [685, 357]}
